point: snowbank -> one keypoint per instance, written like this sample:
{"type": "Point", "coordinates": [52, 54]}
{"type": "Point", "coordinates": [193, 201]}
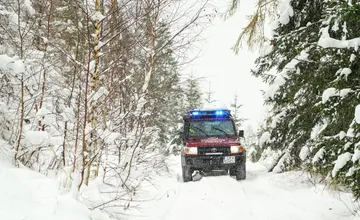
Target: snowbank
{"type": "Point", "coordinates": [30, 195]}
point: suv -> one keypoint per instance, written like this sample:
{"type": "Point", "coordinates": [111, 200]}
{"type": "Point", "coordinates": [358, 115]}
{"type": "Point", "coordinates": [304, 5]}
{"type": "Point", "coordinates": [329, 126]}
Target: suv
{"type": "Point", "coordinates": [211, 142]}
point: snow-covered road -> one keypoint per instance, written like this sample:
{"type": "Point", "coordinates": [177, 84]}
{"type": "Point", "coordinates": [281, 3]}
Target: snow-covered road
{"type": "Point", "coordinates": [263, 195]}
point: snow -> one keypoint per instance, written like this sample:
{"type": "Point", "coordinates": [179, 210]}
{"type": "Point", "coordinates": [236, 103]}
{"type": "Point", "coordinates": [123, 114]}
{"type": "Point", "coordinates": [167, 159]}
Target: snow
{"type": "Point", "coordinates": [328, 93]}
{"type": "Point", "coordinates": [110, 137]}
{"type": "Point", "coordinates": [97, 16]}
{"type": "Point", "coordinates": [335, 27]}
{"type": "Point", "coordinates": [286, 11]}
{"type": "Point", "coordinates": [100, 45]}
{"type": "Point", "coordinates": [13, 21]}
{"type": "Point", "coordinates": [347, 146]}
{"type": "Point", "coordinates": [350, 132]}
{"type": "Point", "coordinates": [56, 140]}
{"type": "Point", "coordinates": [304, 153]}
{"type": "Point", "coordinates": [266, 49]}
{"type": "Point", "coordinates": [298, 94]}
{"type": "Point", "coordinates": [280, 79]}
{"type": "Point", "coordinates": [265, 137]}
{"type": "Point", "coordinates": [269, 158]}
{"type": "Point", "coordinates": [27, 4]}
{"type": "Point", "coordinates": [281, 164]}
{"type": "Point", "coordinates": [92, 65]}
{"type": "Point", "coordinates": [318, 156]}
{"type": "Point", "coordinates": [37, 138]}
{"type": "Point", "coordinates": [216, 105]}
{"type": "Point", "coordinates": [100, 93]}
{"type": "Point", "coordinates": [49, 119]}
{"type": "Point", "coordinates": [345, 92]}
{"type": "Point", "coordinates": [341, 135]}
{"type": "Point", "coordinates": [263, 195]}
{"type": "Point", "coordinates": [345, 72]}
{"type": "Point", "coordinates": [68, 114]}
{"type": "Point", "coordinates": [29, 195]}
{"type": "Point", "coordinates": [291, 195]}
{"type": "Point", "coordinates": [43, 112]}
{"type": "Point", "coordinates": [277, 118]}
{"type": "Point", "coordinates": [332, 92]}
{"type": "Point", "coordinates": [345, 31]}
{"type": "Point", "coordinates": [278, 82]}
{"type": "Point", "coordinates": [356, 155]}
{"type": "Point", "coordinates": [317, 129]}
{"type": "Point", "coordinates": [326, 41]}
{"type": "Point", "coordinates": [341, 162]}
{"type": "Point", "coordinates": [3, 107]}
{"type": "Point", "coordinates": [350, 172]}
{"type": "Point", "coordinates": [13, 64]}
{"type": "Point", "coordinates": [357, 114]}
{"type": "Point", "coordinates": [352, 57]}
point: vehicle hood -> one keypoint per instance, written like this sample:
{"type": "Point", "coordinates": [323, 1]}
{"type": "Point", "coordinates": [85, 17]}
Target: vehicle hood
{"type": "Point", "coordinates": [212, 141]}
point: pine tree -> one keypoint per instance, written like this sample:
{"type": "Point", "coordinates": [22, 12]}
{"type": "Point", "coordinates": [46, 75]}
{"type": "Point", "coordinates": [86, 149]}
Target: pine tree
{"type": "Point", "coordinates": [235, 108]}
{"type": "Point", "coordinates": [208, 95]}
{"type": "Point", "coordinates": [192, 93]}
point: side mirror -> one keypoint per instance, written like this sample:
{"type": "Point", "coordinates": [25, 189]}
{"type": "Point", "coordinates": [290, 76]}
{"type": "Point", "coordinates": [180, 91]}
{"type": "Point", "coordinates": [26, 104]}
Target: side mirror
{"type": "Point", "coordinates": [241, 133]}
{"type": "Point", "coordinates": [182, 136]}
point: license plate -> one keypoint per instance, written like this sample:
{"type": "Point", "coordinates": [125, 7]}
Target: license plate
{"type": "Point", "coordinates": [230, 159]}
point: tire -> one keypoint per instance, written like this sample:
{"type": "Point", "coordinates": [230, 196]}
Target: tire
{"type": "Point", "coordinates": [232, 171]}
{"type": "Point", "coordinates": [186, 174]}
{"type": "Point", "coordinates": [241, 172]}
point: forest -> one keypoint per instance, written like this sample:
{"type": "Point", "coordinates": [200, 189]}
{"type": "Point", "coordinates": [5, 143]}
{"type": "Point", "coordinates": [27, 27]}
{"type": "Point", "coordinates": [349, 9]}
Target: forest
{"type": "Point", "coordinates": [92, 92]}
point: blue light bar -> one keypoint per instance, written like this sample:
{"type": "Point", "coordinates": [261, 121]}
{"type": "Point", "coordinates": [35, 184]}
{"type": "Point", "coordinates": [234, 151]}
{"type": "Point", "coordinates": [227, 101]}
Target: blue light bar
{"type": "Point", "coordinates": [219, 112]}
{"type": "Point", "coordinates": [195, 113]}
{"type": "Point", "coordinates": [210, 113]}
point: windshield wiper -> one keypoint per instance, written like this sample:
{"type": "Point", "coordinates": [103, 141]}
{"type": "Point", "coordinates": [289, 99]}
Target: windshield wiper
{"type": "Point", "coordinates": [202, 131]}
{"type": "Point", "coordinates": [218, 129]}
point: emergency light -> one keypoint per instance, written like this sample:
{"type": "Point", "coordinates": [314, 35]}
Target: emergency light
{"type": "Point", "coordinates": [210, 113]}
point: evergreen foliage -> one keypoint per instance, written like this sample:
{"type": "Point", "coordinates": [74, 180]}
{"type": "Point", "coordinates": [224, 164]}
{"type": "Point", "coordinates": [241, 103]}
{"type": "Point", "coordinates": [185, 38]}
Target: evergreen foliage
{"type": "Point", "coordinates": [315, 91]}
{"type": "Point", "coordinates": [192, 93]}
{"type": "Point", "coordinates": [235, 111]}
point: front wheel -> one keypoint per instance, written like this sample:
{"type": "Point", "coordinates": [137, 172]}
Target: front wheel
{"type": "Point", "coordinates": [232, 171]}
{"type": "Point", "coordinates": [186, 174]}
{"type": "Point", "coordinates": [241, 172]}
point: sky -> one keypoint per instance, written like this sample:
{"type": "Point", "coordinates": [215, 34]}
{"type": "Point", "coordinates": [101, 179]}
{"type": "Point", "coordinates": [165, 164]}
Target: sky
{"type": "Point", "coordinates": [226, 73]}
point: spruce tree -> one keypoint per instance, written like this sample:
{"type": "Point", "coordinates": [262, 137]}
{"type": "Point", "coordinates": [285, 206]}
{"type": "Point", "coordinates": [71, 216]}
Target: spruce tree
{"type": "Point", "coordinates": [291, 95]}
{"type": "Point", "coordinates": [235, 108]}
{"type": "Point", "coordinates": [315, 90]}
{"type": "Point", "coordinates": [208, 95]}
{"type": "Point", "coordinates": [192, 93]}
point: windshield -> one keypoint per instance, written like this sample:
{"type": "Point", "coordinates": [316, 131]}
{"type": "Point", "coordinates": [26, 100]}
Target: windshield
{"type": "Point", "coordinates": [207, 128]}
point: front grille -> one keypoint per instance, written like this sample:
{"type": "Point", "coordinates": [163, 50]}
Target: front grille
{"type": "Point", "coordinates": [216, 150]}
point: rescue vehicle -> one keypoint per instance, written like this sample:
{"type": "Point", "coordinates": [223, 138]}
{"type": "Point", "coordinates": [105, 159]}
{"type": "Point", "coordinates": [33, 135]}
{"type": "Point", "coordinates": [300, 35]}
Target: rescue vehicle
{"type": "Point", "coordinates": [211, 142]}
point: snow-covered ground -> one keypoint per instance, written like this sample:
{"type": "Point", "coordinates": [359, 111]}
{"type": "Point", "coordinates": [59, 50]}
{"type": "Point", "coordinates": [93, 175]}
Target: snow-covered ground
{"type": "Point", "coordinates": [262, 195]}
{"type": "Point", "coordinates": [28, 195]}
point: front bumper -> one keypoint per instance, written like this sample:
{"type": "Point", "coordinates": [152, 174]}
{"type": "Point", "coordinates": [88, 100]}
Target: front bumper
{"type": "Point", "coordinates": [211, 162]}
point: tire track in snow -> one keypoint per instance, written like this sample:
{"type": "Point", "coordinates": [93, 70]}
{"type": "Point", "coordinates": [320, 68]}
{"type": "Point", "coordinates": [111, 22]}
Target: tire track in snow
{"type": "Point", "coordinates": [256, 198]}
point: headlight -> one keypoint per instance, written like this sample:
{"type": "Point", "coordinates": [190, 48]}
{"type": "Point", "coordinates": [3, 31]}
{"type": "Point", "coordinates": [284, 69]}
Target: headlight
{"type": "Point", "coordinates": [236, 149]}
{"type": "Point", "coordinates": [191, 150]}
